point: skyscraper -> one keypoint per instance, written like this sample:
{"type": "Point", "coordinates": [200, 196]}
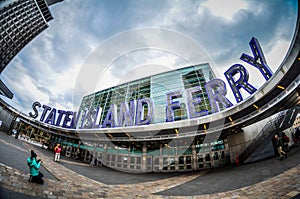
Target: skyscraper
{"type": "Point", "coordinates": [20, 22]}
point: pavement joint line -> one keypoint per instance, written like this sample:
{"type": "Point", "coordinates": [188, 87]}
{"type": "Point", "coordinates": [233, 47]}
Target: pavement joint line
{"type": "Point", "coordinates": [149, 186]}
{"type": "Point", "coordinates": [9, 144]}
{"type": "Point", "coordinates": [78, 186]}
{"type": "Point", "coordinates": [245, 191]}
{"type": "Point", "coordinates": [162, 182]}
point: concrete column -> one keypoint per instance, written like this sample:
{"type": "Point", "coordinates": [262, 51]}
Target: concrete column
{"type": "Point", "coordinates": [237, 144]}
{"type": "Point", "coordinates": [12, 125]}
{"type": "Point", "coordinates": [104, 154]}
{"type": "Point", "coordinates": [144, 157]}
{"type": "Point", "coordinates": [31, 131]}
{"type": "Point", "coordinates": [160, 157]}
{"type": "Point", "coordinates": [194, 156]}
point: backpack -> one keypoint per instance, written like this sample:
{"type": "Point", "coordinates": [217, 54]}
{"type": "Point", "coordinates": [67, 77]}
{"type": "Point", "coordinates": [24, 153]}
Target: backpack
{"type": "Point", "coordinates": [58, 150]}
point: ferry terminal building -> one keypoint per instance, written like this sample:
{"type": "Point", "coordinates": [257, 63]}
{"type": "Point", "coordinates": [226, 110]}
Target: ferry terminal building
{"type": "Point", "coordinates": [118, 128]}
{"type": "Point", "coordinates": [147, 137]}
{"type": "Point", "coordinates": [152, 144]}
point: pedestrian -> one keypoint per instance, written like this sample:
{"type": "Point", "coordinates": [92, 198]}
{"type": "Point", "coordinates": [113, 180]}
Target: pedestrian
{"type": "Point", "coordinates": [34, 165]}
{"type": "Point", "coordinates": [237, 160]}
{"type": "Point", "coordinates": [278, 143]}
{"type": "Point", "coordinates": [57, 151]}
{"type": "Point", "coordinates": [297, 135]}
{"type": "Point", "coordinates": [285, 142]}
{"type": "Point", "coordinates": [77, 154]}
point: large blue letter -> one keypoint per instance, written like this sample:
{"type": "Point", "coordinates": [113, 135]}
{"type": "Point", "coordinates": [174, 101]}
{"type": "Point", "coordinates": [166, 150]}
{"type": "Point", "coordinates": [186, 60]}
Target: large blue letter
{"type": "Point", "coordinates": [88, 120]}
{"type": "Point", "coordinates": [59, 117]}
{"type": "Point", "coordinates": [192, 102]}
{"type": "Point", "coordinates": [51, 117]}
{"type": "Point", "coordinates": [258, 60]}
{"type": "Point", "coordinates": [75, 120]}
{"type": "Point", "coordinates": [242, 82]}
{"type": "Point", "coordinates": [83, 116]}
{"type": "Point", "coordinates": [97, 117]}
{"type": "Point", "coordinates": [111, 117]}
{"type": "Point", "coordinates": [171, 106]}
{"type": "Point", "coordinates": [216, 91]}
{"type": "Point", "coordinates": [68, 120]}
{"type": "Point", "coordinates": [126, 115]}
{"type": "Point", "coordinates": [36, 113]}
{"type": "Point", "coordinates": [46, 108]}
{"type": "Point", "coordinates": [142, 119]}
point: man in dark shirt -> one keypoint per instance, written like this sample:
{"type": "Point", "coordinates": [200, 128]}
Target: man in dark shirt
{"type": "Point", "coordinates": [278, 145]}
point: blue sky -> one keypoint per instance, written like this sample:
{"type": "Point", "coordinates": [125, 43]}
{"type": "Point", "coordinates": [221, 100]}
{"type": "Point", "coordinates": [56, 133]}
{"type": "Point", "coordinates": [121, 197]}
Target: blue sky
{"type": "Point", "coordinates": [48, 69]}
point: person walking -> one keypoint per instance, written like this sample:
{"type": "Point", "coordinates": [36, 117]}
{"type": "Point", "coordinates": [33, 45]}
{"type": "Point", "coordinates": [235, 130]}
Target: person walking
{"type": "Point", "coordinates": [57, 151]}
{"type": "Point", "coordinates": [34, 165]}
{"type": "Point", "coordinates": [285, 142]}
{"type": "Point", "coordinates": [297, 135]}
{"type": "Point", "coordinates": [278, 145]}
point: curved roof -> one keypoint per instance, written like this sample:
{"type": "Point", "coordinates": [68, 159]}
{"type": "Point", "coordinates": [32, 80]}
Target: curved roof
{"type": "Point", "coordinates": [268, 100]}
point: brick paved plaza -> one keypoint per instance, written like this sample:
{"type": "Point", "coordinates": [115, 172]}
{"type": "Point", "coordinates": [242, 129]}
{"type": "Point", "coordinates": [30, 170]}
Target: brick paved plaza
{"type": "Point", "coordinates": [72, 179]}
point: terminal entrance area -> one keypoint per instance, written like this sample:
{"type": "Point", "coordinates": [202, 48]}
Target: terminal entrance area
{"type": "Point", "coordinates": [31, 134]}
{"type": "Point", "coordinates": [151, 156]}
{"type": "Point", "coordinates": [169, 155]}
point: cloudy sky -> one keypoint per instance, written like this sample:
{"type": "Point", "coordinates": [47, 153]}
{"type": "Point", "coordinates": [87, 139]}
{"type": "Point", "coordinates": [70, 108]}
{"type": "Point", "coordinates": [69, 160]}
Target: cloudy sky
{"type": "Point", "coordinates": [104, 43]}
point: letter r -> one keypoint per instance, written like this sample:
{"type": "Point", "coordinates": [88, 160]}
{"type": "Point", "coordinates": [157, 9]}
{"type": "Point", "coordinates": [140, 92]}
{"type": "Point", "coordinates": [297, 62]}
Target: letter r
{"type": "Point", "coordinates": [242, 82]}
{"type": "Point", "coordinates": [216, 91]}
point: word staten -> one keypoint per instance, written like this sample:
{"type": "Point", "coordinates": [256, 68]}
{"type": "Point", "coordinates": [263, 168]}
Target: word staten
{"type": "Point", "coordinates": [141, 112]}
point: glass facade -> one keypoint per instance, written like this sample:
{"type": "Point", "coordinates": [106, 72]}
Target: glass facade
{"type": "Point", "coordinates": [152, 155]}
{"type": "Point", "coordinates": [156, 88]}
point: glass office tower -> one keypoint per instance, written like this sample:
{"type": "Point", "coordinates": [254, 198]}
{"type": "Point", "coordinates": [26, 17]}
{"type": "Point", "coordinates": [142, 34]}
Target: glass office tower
{"type": "Point", "coordinates": [20, 22]}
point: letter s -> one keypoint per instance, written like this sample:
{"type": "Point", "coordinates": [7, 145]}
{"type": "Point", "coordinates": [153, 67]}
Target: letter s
{"type": "Point", "coordinates": [36, 113]}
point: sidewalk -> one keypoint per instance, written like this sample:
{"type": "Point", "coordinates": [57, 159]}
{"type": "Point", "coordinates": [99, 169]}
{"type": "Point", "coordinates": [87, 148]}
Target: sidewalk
{"type": "Point", "coordinates": [71, 179]}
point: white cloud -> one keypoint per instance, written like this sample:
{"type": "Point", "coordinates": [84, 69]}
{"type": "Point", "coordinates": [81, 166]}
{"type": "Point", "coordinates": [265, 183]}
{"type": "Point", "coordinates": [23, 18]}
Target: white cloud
{"type": "Point", "coordinates": [277, 54]}
{"type": "Point", "coordinates": [139, 64]}
{"type": "Point", "coordinates": [225, 9]}
{"type": "Point", "coordinates": [27, 92]}
{"type": "Point", "coordinates": [50, 65]}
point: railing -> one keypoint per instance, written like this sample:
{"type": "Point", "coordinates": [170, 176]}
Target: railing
{"type": "Point", "coordinates": [283, 121]}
